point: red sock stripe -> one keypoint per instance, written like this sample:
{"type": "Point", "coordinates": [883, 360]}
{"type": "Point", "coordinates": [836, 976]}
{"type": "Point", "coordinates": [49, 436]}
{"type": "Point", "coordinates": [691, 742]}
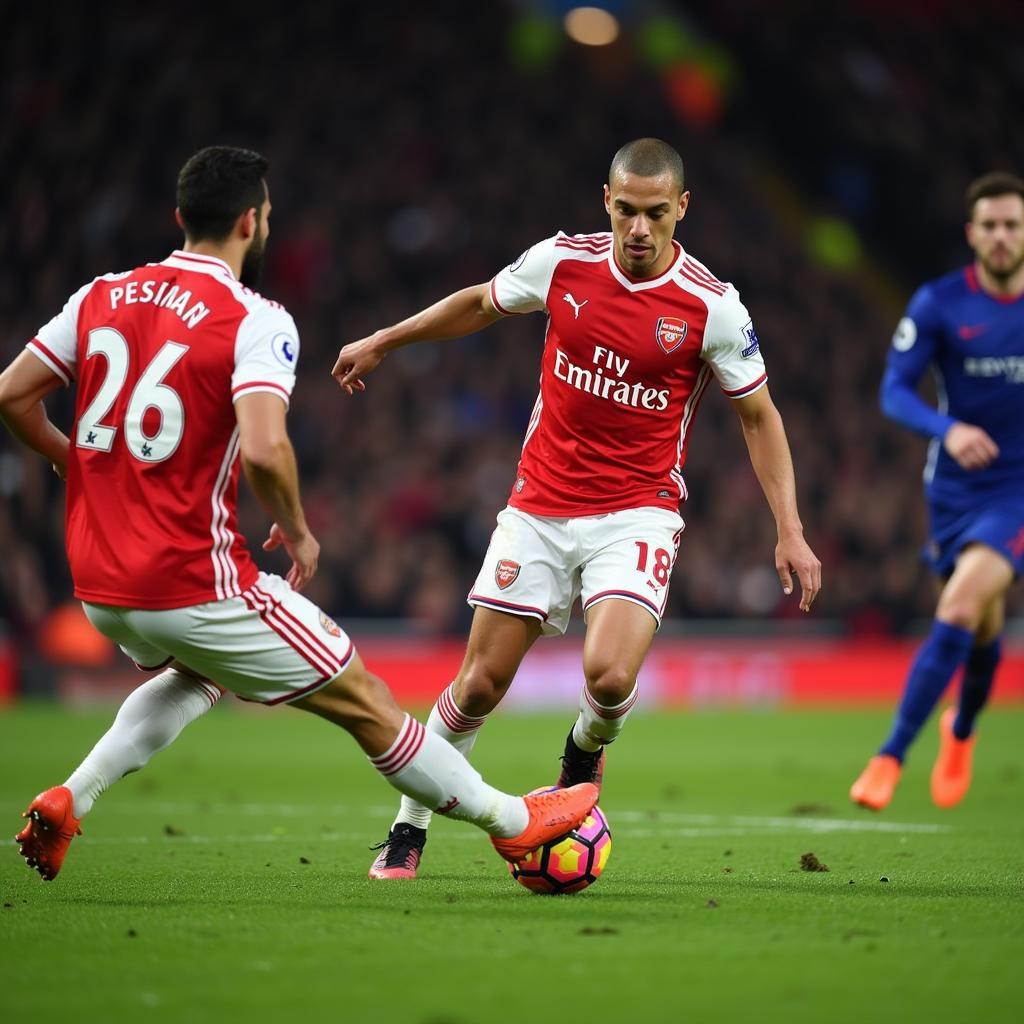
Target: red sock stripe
{"type": "Point", "coordinates": [452, 717]}
{"type": "Point", "coordinates": [411, 738]}
{"type": "Point", "coordinates": [610, 714]}
{"type": "Point", "coordinates": [211, 691]}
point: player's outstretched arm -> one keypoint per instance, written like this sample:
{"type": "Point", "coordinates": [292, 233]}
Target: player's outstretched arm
{"type": "Point", "coordinates": [455, 316]}
{"type": "Point", "coordinates": [770, 456]}
{"type": "Point", "coordinates": [269, 463]}
{"type": "Point", "coordinates": [23, 386]}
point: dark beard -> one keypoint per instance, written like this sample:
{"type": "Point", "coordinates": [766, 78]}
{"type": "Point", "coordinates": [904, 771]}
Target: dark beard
{"type": "Point", "coordinates": [1003, 276]}
{"type": "Point", "coordinates": [252, 265]}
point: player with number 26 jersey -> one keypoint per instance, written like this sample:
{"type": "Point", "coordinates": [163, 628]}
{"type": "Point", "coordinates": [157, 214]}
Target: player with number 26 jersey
{"type": "Point", "coordinates": [160, 353]}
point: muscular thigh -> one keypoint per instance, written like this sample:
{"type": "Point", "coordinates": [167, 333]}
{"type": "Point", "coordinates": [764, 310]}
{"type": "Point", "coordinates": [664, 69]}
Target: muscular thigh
{"type": "Point", "coordinates": [270, 645]}
{"type": "Point", "coordinates": [975, 591]}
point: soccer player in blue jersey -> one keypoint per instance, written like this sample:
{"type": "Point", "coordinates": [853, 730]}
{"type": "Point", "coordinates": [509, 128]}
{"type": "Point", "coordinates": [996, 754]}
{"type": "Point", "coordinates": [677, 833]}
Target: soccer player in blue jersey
{"type": "Point", "coordinates": [968, 327]}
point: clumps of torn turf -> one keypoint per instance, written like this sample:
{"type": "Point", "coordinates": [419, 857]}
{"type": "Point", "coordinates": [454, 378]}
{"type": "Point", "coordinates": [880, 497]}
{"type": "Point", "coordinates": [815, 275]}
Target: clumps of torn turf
{"type": "Point", "coordinates": [811, 809]}
{"type": "Point", "coordinates": [810, 862]}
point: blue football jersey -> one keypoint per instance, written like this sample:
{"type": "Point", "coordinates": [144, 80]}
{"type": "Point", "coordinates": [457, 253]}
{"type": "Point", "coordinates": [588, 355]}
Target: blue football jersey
{"type": "Point", "coordinates": [974, 344]}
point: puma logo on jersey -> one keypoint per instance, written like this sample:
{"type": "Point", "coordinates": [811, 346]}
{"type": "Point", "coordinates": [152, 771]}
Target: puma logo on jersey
{"type": "Point", "coordinates": [576, 306]}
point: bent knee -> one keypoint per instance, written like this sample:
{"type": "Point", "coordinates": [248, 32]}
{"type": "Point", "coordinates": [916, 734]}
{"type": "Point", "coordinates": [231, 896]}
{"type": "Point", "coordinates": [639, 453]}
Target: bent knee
{"type": "Point", "coordinates": [960, 612]}
{"type": "Point", "coordinates": [611, 684]}
{"type": "Point", "coordinates": [478, 689]}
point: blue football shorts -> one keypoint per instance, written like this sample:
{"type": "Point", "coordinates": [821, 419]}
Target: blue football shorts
{"type": "Point", "coordinates": [999, 523]}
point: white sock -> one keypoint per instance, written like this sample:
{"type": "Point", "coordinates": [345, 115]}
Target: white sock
{"type": "Point", "coordinates": [150, 718]}
{"type": "Point", "coordinates": [597, 724]}
{"type": "Point", "coordinates": [448, 722]}
{"type": "Point", "coordinates": [430, 770]}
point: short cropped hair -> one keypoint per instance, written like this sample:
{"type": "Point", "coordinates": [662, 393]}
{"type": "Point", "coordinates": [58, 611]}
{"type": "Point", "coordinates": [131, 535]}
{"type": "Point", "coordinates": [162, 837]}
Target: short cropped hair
{"type": "Point", "coordinates": [995, 183]}
{"type": "Point", "coordinates": [648, 158]}
{"type": "Point", "coordinates": [216, 186]}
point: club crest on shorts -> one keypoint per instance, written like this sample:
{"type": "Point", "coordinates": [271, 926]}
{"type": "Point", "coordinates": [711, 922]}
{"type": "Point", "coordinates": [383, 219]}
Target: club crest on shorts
{"type": "Point", "coordinates": [329, 625]}
{"type": "Point", "coordinates": [505, 573]}
{"type": "Point", "coordinates": [671, 333]}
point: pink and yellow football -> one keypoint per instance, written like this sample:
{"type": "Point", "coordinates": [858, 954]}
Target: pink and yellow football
{"type": "Point", "coordinates": [569, 863]}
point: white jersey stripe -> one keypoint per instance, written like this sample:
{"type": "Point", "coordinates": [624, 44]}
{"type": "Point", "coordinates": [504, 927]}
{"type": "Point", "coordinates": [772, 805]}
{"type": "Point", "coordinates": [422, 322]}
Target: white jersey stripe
{"type": "Point", "coordinates": [223, 534]}
{"type": "Point", "coordinates": [691, 407]}
{"type": "Point", "coordinates": [534, 418]}
{"type": "Point", "coordinates": [216, 507]}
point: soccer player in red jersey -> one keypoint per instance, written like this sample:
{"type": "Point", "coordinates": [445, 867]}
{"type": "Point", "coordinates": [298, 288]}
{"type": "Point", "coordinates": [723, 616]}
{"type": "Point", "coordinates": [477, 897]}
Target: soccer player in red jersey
{"type": "Point", "coordinates": [183, 374]}
{"type": "Point", "coordinates": [637, 329]}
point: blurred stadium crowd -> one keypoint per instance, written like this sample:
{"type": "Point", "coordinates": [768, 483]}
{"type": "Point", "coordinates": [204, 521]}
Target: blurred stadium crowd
{"type": "Point", "coordinates": [416, 150]}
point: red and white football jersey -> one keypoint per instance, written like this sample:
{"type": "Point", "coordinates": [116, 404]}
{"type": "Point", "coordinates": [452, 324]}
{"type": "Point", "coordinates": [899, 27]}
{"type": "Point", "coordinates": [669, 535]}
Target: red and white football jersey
{"type": "Point", "coordinates": [160, 354]}
{"type": "Point", "coordinates": [624, 367]}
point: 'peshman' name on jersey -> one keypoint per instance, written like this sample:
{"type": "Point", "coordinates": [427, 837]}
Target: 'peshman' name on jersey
{"type": "Point", "coordinates": [167, 297]}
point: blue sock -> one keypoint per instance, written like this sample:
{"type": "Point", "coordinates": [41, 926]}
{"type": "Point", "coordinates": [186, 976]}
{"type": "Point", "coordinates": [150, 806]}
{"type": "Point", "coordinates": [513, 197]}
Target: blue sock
{"type": "Point", "coordinates": [976, 686]}
{"type": "Point", "coordinates": [943, 652]}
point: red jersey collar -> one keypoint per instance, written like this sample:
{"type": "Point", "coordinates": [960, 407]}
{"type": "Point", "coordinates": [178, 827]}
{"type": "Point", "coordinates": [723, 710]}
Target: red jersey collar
{"type": "Point", "coordinates": [975, 285]}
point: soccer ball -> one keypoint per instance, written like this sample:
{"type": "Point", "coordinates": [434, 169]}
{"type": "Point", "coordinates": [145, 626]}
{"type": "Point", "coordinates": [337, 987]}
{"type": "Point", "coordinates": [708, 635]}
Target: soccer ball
{"type": "Point", "coordinates": [569, 863]}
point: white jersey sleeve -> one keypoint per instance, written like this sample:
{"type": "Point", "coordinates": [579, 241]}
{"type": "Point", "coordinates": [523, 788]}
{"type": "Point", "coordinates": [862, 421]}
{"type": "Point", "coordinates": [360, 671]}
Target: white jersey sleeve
{"type": "Point", "coordinates": [56, 343]}
{"type": "Point", "coordinates": [522, 287]}
{"type": "Point", "coordinates": [266, 353]}
{"type": "Point", "coordinates": [731, 347]}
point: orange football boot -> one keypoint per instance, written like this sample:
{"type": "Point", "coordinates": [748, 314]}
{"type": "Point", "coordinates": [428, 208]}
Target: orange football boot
{"type": "Point", "coordinates": [951, 773]}
{"type": "Point", "coordinates": [875, 785]}
{"type": "Point", "coordinates": [51, 826]}
{"type": "Point", "coordinates": [552, 813]}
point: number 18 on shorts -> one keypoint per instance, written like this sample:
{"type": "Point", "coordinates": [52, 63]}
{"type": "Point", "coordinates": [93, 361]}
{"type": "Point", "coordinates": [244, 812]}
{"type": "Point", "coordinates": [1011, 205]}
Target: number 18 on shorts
{"type": "Point", "coordinates": [538, 566]}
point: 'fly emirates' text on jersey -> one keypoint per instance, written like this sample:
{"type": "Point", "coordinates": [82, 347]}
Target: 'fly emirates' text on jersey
{"type": "Point", "coordinates": [160, 354]}
{"type": "Point", "coordinates": [624, 367]}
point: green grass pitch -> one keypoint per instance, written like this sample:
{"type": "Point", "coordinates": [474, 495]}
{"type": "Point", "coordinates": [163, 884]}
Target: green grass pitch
{"type": "Point", "coordinates": [226, 882]}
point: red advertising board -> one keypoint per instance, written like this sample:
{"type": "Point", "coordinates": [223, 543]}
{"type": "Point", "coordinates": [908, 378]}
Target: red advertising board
{"type": "Point", "coordinates": [678, 672]}
{"type": "Point", "coordinates": [689, 672]}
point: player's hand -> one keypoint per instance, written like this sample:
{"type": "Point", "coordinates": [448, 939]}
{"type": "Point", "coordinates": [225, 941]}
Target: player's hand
{"type": "Point", "coordinates": [970, 446]}
{"type": "Point", "coordinates": [794, 556]}
{"type": "Point", "coordinates": [60, 470]}
{"type": "Point", "coordinates": [354, 362]}
{"type": "Point", "coordinates": [304, 553]}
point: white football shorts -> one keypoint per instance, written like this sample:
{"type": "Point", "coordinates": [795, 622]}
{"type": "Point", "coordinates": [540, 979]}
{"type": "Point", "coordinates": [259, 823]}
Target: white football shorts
{"type": "Point", "coordinates": [270, 645]}
{"type": "Point", "coordinates": [538, 566]}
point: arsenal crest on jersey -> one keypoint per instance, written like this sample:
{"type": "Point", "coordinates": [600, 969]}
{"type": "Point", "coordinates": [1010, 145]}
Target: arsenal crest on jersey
{"type": "Point", "coordinates": [670, 332]}
{"type": "Point", "coordinates": [506, 573]}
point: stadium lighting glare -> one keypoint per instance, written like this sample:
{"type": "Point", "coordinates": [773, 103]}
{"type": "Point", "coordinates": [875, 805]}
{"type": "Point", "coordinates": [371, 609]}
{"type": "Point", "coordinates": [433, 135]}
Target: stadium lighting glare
{"type": "Point", "coordinates": [591, 26]}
